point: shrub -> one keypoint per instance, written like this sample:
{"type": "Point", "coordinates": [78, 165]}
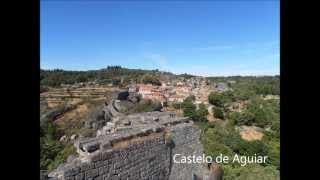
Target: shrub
{"type": "Point", "coordinates": [177, 105]}
{"type": "Point", "coordinates": [149, 79]}
{"type": "Point", "coordinates": [49, 149]}
{"type": "Point", "coordinates": [202, 113]}
{"type": "Point", "coordinates": [146, 105]}
{"type": "Point", "coordinates": [220, 99]}
{"type": "Point", "coordinates": [190, 98]}
{"type": "Point", "coordinates": [189, 109]}
{"type": "Point", "coordinates": [245, 118]}
{"type": "Point", "coordinates": [212, 141]}
{"type": "Point", "coordinates": [250, 172]}
{"type": "Point", "coordinates": [249, 148]}
{"type": "Point", "coordinates": [218, 113]}
{"type": "Point", "coordinates": [62, 156]}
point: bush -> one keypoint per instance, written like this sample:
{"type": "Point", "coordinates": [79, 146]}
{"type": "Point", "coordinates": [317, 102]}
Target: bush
{"type": "Point", "coordinates": [146, 105]}
{"type": "Point", "coordinates": [51, 132]}
{"type": "Point", "coordinates": [190, 98]}
{"type": "Point", "coordinates": [249, 148]}
{"type": "Point", "coordinates": [177, 105]}
{"type": "Point", "coordinates": [148, 79]}
{"type": "Point", "coordinates": [220, 99]}
{"type": "Point", "coordinates": [218, 113]}
{"type": "Point", "coordinates": [189, 109]}
{"type": "Point", "coordinates": [201, 113]}
{"type": "Point", "coordinates": [62, 156]}
{"type": "Point", "coordinates": [246, 118]}
{"type": "Point", "coordinates": [250, 172]}
{"type": "Point", "coordinates": [274, 153]}
{"type": "Point", "coordinates": [204, 126]}
{"type": "Point", "coordinates": [49, 149]}
{"type": "Point", "coordinates": [212, 141]}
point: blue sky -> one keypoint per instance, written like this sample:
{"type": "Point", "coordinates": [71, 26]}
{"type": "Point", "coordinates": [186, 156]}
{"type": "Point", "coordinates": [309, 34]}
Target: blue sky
{"type": "Point", "coordinates": [202, 38]}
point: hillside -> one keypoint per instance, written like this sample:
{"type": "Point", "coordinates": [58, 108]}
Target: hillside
{"type": "Point", "coordinates": [236, 115]}
{"type": "Point", "coordinates": [111, 75]}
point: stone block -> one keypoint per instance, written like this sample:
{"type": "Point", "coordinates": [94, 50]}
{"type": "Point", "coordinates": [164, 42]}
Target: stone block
{"type": "Point", "coordinates": [79, 176]}
{"type": "Point", "coordinates": [96, 157]}
{"type": "Point", "coordinates": [72, 171]}
{"type": "Point", "coordinates": [86, 166]}
{"type": "Point", "coordinates": [98, 178]}
{"type": "Point", "coordinates": [69, 178]}
{"type": "Point", "coordinates": [91, 173]}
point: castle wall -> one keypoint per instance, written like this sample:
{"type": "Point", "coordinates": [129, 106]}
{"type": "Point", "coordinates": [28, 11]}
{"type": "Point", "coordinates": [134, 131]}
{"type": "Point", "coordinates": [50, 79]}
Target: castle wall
{"type": "Point", "coordinates": [186, 143]}
{"type": "Point", "coordinates": [148, 157]}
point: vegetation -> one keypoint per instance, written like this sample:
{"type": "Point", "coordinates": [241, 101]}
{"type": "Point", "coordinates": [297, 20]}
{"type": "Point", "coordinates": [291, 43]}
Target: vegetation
{"type": "Point", "coordinates": [146, 105]}
{"type": "Point", "coordinates": [176, 105]}
{"type": "Point", "coordinates": [250, 172]}
{"type": "Point", "coordinates": [249, 86]}
{"type": "Point", "coordinates": [218, 113]}
{"type": "Point", "coordinates": [52, 152]}
{"type": "Point", "coordinates": [190, 110]}
{"type": "Point", "coordinates": [112, 74]}
{"type": "Point", "coordinates": [149, 79]}
{"type": "Point", "coordinates": [216, 138]}
{"type": "Point", "coordinates": [259, 112]}
{"type": "Point", "coordinates": [221, 99]}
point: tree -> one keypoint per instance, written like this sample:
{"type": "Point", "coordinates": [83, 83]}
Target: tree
{"type": "Point", "coordinates": [116, 81]}
{"type": "Point", "coordinates": [220, 99]}
{"type": "Point", "coordinates": [189, 109]}
{"type": "Point", "coordinates": [245, 118]}
{"type": "Point", "coordinates": [202, 113]}
{"type": "Point", "coordinates": [148, 79]}
{"type": "Point", "coordinates": [51, 131]}
{"type": "Point", "coordinates": [249, 148]}
{"type": "Point", "coordinates": [218, 113]}
{"type": "Point", "coordinates": [190, 98]}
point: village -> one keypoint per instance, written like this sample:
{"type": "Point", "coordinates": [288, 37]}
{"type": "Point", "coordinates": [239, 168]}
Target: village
{"type": "Point", "coordinates": [177, 91]}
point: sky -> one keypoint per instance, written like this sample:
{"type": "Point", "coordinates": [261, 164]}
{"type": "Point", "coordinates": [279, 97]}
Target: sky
{"type": "Point", "coordinates": [207, 38]}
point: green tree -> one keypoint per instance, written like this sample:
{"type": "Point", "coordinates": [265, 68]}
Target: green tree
{"type": "Point", "coordinates": [220, 99]}
{"type": "Point", "coordinates": [191, 98]}
{"type": "Point", "coordinates": [149, 79]}
{"type": "Point", "coordinates": [189, 109]}
{"type": "Point", "coordinates": [51, 131]}
{"type": "Point", "coordinates": [202, 113]}
{"type": "Point", "coordinates": [218, 113]}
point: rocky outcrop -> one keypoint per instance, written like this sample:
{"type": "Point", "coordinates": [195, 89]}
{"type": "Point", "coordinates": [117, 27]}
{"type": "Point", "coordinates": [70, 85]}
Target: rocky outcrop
{"type": "Point", "coordinates": [123, 102]}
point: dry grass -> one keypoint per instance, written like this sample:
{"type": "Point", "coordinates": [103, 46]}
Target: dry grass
{"type": "Point", "coordinates": [135, 140]}
{"type": "Point", "coordinates": [250, 133]}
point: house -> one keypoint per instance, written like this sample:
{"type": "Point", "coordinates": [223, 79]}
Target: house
{"type": "Point", "coordinates": [152, 92]}
{"type": "Point", "coordinates": [222, 87]}
{"type": "Point", "coordinates": [176, 98]}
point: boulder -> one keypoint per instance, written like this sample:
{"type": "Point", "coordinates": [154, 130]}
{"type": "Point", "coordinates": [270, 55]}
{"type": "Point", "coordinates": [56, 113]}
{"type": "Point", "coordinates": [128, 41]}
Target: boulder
{"type": "Point", "coordinates": [64, 138]}
{"type": "Point", "coordinates": [123, 95]}
{"type": "Point", "coordinates": [73, 137]}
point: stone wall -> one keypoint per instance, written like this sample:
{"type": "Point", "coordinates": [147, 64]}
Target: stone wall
{"type": "Point", "coordinates": [145, 160]}
{"type": "Point", "coordinates": [186, 142]}
{"type": "Point", "coordinates": [139, 156]}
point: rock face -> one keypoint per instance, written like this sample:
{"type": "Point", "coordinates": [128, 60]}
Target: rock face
{"type": "Point", "coordinates": [138, 146]}
{"type": "Point", "coordinates": [117, 107]}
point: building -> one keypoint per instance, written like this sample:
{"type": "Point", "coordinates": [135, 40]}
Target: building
{"type": "Point", "coordinates": [152, 92]}
{"type": "Point", "coordinates": [222, 87]}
